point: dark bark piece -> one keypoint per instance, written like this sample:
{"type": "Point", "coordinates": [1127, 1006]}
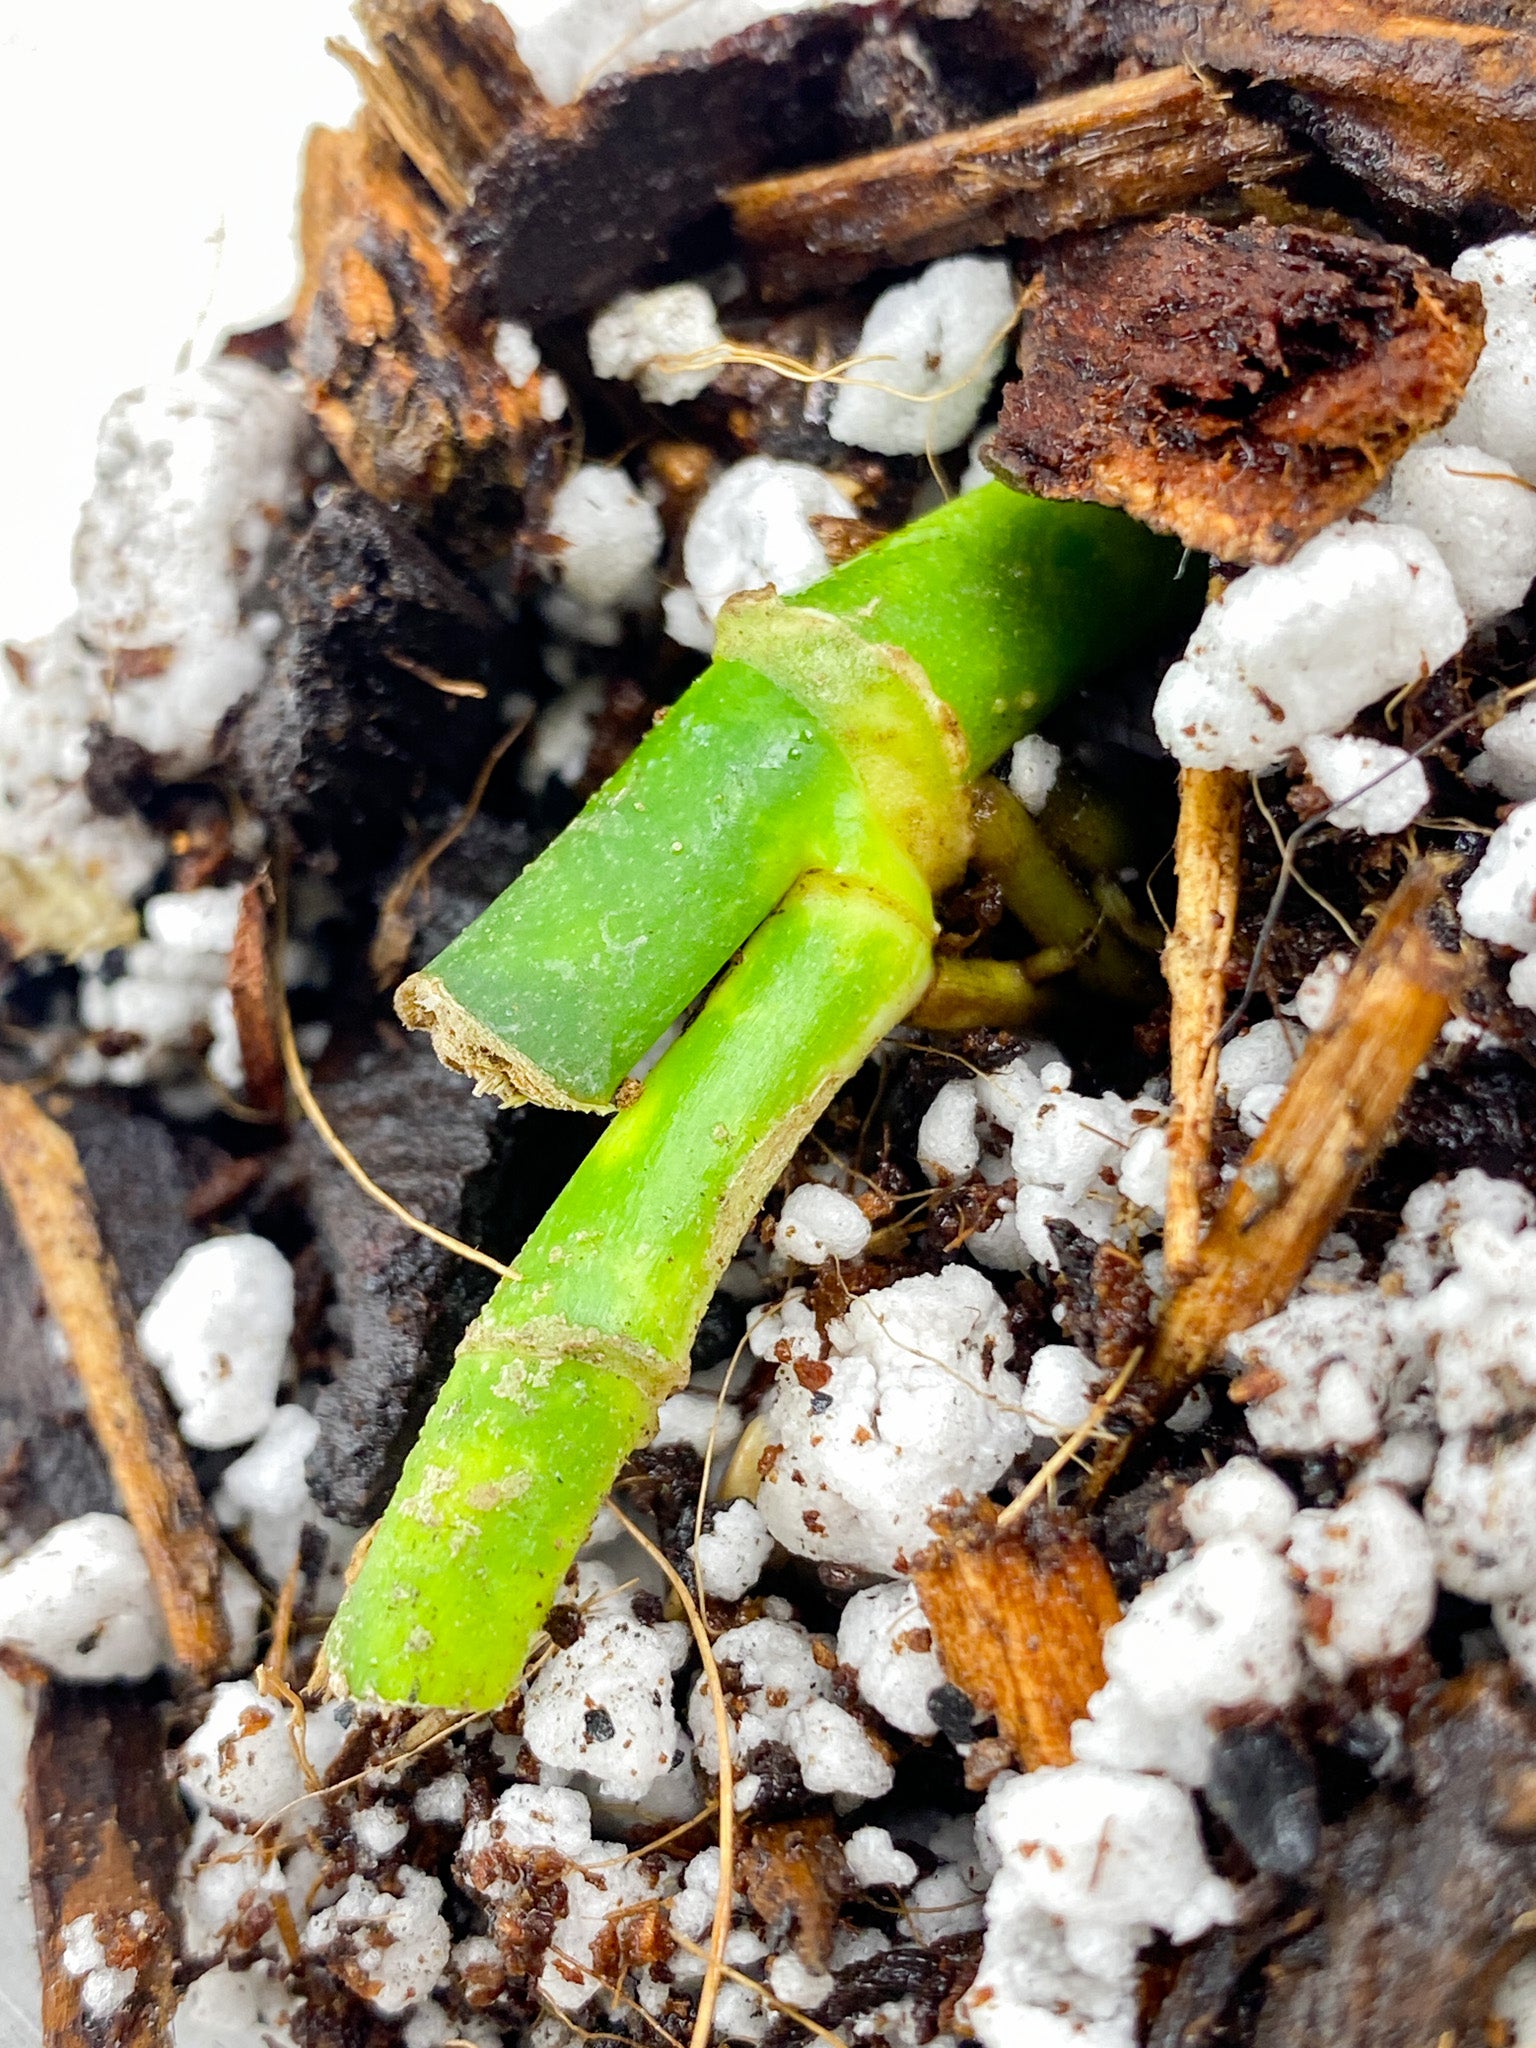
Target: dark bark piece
{"type": "Point", "coordinates": [1433, 105]}
{"type": "Point", "coordinates": [343, 742]}
{"type": "Point", "coordinates": [410, 396]}
{"type": "Point", "coordinates": [1265, 1789]}
{"type": "Point", "coordinates": [139, 1183]}
{"type": "Point", "coordinates": [557, 207]}
{"type": "Point", "coordinates": [1111, 152]}
{"type": "Point", "coordinates": [1422, 1897]}
{"type": "Point", "coordinates": [105, 1828]}
{"type": "Point", "coordinates": [1240, 387]}
{"type": "Point", "coordinates": [402, 1302]}
{"type": "Point", "coordinates": [51, 1468]}
{"type": "Point", "coordinates": [578, 198]}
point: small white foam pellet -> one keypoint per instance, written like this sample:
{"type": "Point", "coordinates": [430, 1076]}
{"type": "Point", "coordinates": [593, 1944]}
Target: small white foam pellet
{"type": "Point", "coordinates": [935, 343]}
{"type": "Point", "coordinates": [1032, 770]}
{"type": "Point", "coordinates": [1289, 651]}
{"type": "Point", "coordinates": [217, 1331]}
{"type": "Point", "coordinates": [81, 1602]}
{"type": "Point", "coordinates": [1373, 787]}
{"type": "Point", "coordinates": [637, 332]}
{"type": "Point", "coordinates": [818, 1223]}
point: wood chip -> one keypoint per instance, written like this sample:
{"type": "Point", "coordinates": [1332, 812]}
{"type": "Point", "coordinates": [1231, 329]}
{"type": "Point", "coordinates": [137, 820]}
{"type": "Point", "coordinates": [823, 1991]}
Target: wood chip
{"type": "Point", "coordinates": [1433, 105]}
{"type": "Point", "coordinates": [795, 1871]}
{"type": "Point", "coordinates": [1113, 152]}
{"type": "Point", "coordinates": [409, 396]}
{"type": "Point", "coordinates": [1207, 858]}
{"type": "Point", "coordinates": [1240, 386]}
{"type": "Point", "coordinates": [104, 1829]}
{"type": "Point", "coordinates": [42, 1176]}
{"type": "Point", "coordinates": [447, 83]}
{"type": "Point", "coordinates": [1297, 1181]}
{"type": "Point", "coordinates": [1019, 1617]}
{"type": "Point", "coordinates": [251, 993]}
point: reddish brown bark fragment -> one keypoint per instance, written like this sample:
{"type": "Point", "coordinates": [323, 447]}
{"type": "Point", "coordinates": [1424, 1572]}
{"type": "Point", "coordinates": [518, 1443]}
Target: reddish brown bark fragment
{"type": "Point", "coordinates": [1240, 387]}
{"type": "Point", "coordinates": [1112, 152]}
{"type": "Point", "coordinates": [251, 994]}
{"type": "Point", "coordinates": [412, 400]}
{"type": "Point", "coordinates": [1434, 105]}
{"type": "Point", "coordinates": [1019, 1619]}
{"type": "Point", "coordinates": [796, 1868]}
{"type": "Point", "coordinates": [104, 1829]}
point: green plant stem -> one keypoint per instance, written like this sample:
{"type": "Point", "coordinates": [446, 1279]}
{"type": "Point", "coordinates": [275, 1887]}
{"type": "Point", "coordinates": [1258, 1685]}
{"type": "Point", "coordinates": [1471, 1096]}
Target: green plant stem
{"type": "Point", "coordinates": [1042, 894]}
{"type": "Point", "coordinates": [560, 1377]}
{"type": "Point", "coordinates": [820, 765]}
{"type": "Point", "coordinates": [966, 992]}
{"type": "Point", "coordinates": [850, 716]}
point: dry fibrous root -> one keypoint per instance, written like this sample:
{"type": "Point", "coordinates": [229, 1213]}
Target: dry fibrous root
{"type": "Point", "coordinates": [1296, 1182]}
{"type": "Point", "coordinates": [1241, 386]}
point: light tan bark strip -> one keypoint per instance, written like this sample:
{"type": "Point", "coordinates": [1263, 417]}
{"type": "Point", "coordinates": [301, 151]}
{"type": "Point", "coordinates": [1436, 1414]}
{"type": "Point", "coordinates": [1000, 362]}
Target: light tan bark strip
{"type": "Point", "coordinates": [1207, 858]}
{"type": "Point", "coordinates": [42, 1176]}
{"type": "Point", "coordinates": [1299, 1178]}
{"type": "Point", "coordinates": [1080, 160]}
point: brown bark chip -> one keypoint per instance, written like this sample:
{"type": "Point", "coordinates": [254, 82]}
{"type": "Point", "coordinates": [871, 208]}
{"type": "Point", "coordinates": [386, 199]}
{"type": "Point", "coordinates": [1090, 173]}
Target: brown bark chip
{"type": "Point", "coordinates": [411, 399]}
{"type": "Point", "coordinates": [1240, 387]}
{"type": "Point", "coordinates": [796, 1870]}
{"type": "Point", "coordinates": [251, 993]}
{"type": "Point", "coordinates": [1112, 152]}
{"type": "Point", "coordinates": [1019, 1619]}
{"type": "Point", "coordinates": [1433, 105]}
{"type": "Point", "coordinates": [104, 1829]}
{"type": "Point", "coordinates": [42, 1177]}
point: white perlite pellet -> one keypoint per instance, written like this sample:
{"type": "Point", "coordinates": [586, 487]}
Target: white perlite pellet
{"type": "Point", "coordinates": [751, 528]}
{"type": "Point", "coordinates": [818, 1223]}
{"type": "Point", "coordinates": [930, 351]}
{"type": "Point", "coordinates": [1498, 410]}
{"type": "Point", "coordinates": [1373, 787]}
{"type": "Point", "coordinates": [635, 335]}
{"type": "Point", "coordinates": [1286, 652]}
{"type": "Point", "coordinates": [194, 477]}
{"type": "Point", "coordinates": [81, 1601]}
{"type": "Point", "coordinates": [217, 1331]}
